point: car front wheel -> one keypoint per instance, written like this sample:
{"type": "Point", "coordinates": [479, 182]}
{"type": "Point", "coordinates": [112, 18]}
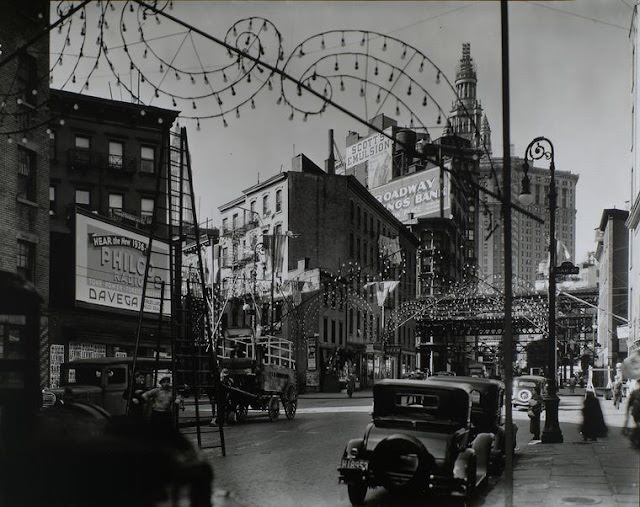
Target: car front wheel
{"type": "Point", "coordinates": [357, 491]}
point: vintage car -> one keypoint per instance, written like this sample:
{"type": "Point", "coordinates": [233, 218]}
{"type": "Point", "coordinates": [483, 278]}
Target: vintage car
{"type": "Point", "coordinates": [103, 381]}
{"type": "Point", "coordinates": [420, 439]}
{"type": "Point", "coordinates": [524, 387]}
{"type": "Point", "coordinates": [487, 402]}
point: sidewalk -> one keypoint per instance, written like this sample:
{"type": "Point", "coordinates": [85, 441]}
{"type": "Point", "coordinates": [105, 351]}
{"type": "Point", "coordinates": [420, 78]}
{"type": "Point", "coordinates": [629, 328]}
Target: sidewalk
{"type": "Point", "coordinates": [575, 472]}
{"type": "Point", "coordinates": [361, 393]}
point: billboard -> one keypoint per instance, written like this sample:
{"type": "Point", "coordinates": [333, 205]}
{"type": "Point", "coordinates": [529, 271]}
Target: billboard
{"type": "Point", "coordinates": [377, 151]}
{"type": "Point", "coordinates": [418, 194]}
{"type": "Point", "coordinates": [110, 267]}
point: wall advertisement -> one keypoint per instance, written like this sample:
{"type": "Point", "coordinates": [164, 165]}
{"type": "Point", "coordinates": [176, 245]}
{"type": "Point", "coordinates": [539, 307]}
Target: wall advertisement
{"type": "Point", "coordinates": [417, 195]}
{"type": "Point", "coordinates": [110, 267]}
{"type": "Point", "coordinates": [377, 151]}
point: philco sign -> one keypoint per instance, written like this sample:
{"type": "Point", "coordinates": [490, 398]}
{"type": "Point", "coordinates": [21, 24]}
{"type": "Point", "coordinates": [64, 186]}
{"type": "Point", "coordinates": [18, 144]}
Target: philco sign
{"type": "Point", "coordinates": [419, 194]}
{"type": "Point", "coordinates": [111, 264]}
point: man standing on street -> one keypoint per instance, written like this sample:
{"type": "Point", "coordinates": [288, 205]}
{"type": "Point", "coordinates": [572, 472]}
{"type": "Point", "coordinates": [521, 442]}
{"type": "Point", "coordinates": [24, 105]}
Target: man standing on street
{"type": "Point", "coordinates": [535, 409]}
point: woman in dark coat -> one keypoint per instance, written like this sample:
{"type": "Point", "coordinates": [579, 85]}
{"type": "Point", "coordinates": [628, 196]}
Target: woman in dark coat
{"type": "Point", "coordinates": [593, 425]}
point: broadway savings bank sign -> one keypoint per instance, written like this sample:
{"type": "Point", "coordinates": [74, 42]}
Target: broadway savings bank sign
{"type": "Point", "coordinates": [110, 267]}
{"type": "Point", "coordinates": [418, 193]}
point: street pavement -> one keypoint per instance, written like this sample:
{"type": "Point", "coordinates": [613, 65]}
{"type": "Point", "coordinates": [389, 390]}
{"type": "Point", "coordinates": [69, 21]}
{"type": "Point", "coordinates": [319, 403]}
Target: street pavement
{"type": "Point", "coordinates": [604, 473]}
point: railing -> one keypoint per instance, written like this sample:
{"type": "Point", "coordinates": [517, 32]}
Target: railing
{"type": "Point", "coordinates": [276, 351]}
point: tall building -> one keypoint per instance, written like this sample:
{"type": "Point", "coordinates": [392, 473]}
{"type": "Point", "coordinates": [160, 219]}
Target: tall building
{"type": "Point", "coordinates": [612, 253]}
{"type": "Point", "coordinates": [24, 163]}
{"type": "Point", "coordinates": [633, 222]}
{"type": "Point", "coordinates": [302, 247]}
{"type": "Point", "coordinates": [106, 157]}
{"type": "Point", "coordinates": [530, 239]}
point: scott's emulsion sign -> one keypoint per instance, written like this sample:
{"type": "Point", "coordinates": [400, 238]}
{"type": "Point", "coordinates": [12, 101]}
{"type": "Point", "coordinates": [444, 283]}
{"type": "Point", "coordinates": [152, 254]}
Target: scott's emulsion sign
{"type": "Point", "coordinates": [110, 267]}
{"type": "Point", "coordinates": [419, 193]}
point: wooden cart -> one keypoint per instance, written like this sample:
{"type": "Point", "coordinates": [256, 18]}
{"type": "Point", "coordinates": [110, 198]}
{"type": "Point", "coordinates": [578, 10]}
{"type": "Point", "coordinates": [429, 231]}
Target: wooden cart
{"type": "Point", "coordinates": [258, 374]}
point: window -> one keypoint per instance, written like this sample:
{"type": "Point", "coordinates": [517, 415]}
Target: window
{"type": "Point", "coordinates": [277, 230]}
{"type": "Point", "coordinates": [83, 143]}
{"type": "Point", "coordinates": [351, 245]}
{"type": "Point", "coordinates": [83, 198]}
{"type": "Point", "coordinates": [278, 200]}
{"type": "Point", "coordinates": [53, 145]}
{"type": "Point", "coordinates": [252, 207]}
{"type": "Point", "coordinates": [351, 210]}
{"type": "Point", "coordinates": [146, 207]}
{"type": "Point", "coordinates": [234, 221]}
{"type": "Point", "coordinates": [27, 78]}
{"type": "Point", "coordinates": [25, 262]}
{"type": "Point", "coordinates": [26, 174]}
{"type": "Point", "coordinates": [225, 224]}
{"type": "Point", "coordinates": [265, 205]}
{"type": "Point", "coordinates": [116, 155]}
{"type": "Point", "coordinates": [147, 159]}
{"type": "Point", "coordinates": [52, 200]}
{"type": "Point", "coordinates": [333, 331]}
{"type": "Point", "coordinates": [116, 201]}
{"type": "Point", "coordinates": [365, 222]}
{"type": "Point", "coordinates": [325, 328]}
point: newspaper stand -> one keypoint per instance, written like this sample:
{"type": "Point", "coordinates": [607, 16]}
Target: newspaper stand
{"type": "Point", "coordinates": [258, 374]}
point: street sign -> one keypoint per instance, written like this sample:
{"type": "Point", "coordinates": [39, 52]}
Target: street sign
{"type": "Point", "coordinates": [392, 349]}
{"type": "Point", "coordinates": [567, 268]}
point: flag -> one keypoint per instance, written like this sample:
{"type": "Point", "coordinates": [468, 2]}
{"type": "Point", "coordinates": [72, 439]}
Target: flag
{"type": "Point", "coordinates": [274, 250]}
{"type": "Point", "coordinates": [562, 252]}
{"type": "Point", "coordinates": [390, 250]}
{"type": "Point", "coordinates": [383, 289]}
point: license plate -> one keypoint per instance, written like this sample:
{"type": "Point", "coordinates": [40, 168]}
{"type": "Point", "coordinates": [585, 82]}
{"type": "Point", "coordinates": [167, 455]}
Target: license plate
{"type": "Point", "coordinates": [355, 464]}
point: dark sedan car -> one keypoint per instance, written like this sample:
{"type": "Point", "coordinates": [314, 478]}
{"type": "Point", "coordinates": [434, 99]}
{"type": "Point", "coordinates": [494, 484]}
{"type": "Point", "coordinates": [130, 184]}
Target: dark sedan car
{"type": "Point", "coordinates": [421, 439]}
{"type": "Point", "coordinates": [487, 402]}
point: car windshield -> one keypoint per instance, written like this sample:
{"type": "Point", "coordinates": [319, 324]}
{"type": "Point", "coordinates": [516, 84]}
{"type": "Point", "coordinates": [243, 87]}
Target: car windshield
{"type": "Point", "coordinates": [525, 383]}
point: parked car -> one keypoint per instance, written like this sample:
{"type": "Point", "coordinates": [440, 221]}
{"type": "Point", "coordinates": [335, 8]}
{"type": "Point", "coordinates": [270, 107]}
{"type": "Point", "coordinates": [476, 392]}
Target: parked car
{"type": "Point", "coordinates": [421, 439]}
{"type": "Point", "coordinates": [524, 387]}
{"type": "Point", "coordinates": [103, 381]}
{"type": "Point", "coordinates": [487, 402]}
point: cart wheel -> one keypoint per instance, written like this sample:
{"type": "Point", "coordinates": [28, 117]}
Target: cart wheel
{"type": "Point", "coordinates": [274, 408]}
{"type": "Point", "coordinates": [290, 401]}
{"type": "Point", "coordinates": [241, 412]}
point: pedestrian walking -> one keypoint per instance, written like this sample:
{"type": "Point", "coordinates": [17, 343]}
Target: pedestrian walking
{"type": "Point", "coordinates": [593, 425]}
{"type": "Point", "coordinates": [134, 393]}
{"type": "Point", "coordinates": [535, 409]}
{"type": "Point", "coordinates": [162, 403]}
{"type": "Point", "coordinates": [633, 410]}
{"type": "Point", "coordinates": [617, 391]}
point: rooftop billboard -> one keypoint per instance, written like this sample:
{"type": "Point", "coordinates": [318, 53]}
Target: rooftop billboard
{"type": "Point", "coordinates": [110, 267]}
{"type": "Point", "coordinates": [377, 151]}
{"type": "Point", "coordinates": [418, 194]}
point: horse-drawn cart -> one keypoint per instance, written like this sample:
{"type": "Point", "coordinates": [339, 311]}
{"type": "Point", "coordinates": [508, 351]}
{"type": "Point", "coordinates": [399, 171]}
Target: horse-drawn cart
{"type": "Point", "coordinates": [258, 374]}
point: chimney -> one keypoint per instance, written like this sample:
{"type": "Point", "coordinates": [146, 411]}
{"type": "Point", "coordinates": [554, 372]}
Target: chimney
{"type": "Point", "coordinates": [330, 163]}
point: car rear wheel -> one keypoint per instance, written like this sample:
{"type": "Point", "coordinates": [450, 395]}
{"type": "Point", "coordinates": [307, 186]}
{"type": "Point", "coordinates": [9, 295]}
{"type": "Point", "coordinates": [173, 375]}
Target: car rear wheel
{"type": "Point", "coordinates": [400, 462]}
{"type": "Point", "coordinates": [357, 492]}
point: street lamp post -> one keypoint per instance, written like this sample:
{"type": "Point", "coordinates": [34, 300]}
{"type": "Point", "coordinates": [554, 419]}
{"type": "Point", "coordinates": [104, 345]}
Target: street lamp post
{"type": "Point", "coordinates": [539, 148]}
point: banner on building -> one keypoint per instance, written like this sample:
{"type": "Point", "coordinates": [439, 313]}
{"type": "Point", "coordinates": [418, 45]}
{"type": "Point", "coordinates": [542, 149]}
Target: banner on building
{"type": "Point", "coordinates": [390, 251]}
{"type": "Point", "coordinates": [274, 245]}
{"type": "Point", "coordinates": [418, 195]}
{"type": "Point", "coordinates": [377, 151]}
{"type": "Point", "coordinates": [110, 267]}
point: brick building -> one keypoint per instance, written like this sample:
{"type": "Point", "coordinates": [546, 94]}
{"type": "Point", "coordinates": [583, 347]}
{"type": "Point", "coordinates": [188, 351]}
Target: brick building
{"type": "Point", "coordinates": [24, 157]}
{"type": "Point", "coordinates": [332, 238]}
{"type": "Point", "coordinates": [106, 157]}
{"type": "Point", "coordinates": [612, 254]}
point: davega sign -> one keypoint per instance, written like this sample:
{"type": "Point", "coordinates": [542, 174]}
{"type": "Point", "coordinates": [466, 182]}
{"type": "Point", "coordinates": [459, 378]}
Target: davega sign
{"type": "Point", "coordinates": [110, 267]}
{"type": "Point", "coordinates": [418, 193]}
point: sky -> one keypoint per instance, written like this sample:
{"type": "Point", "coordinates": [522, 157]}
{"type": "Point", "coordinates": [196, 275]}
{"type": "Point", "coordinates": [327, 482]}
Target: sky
{"type": "Point", "coordinates": [570, 81]}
